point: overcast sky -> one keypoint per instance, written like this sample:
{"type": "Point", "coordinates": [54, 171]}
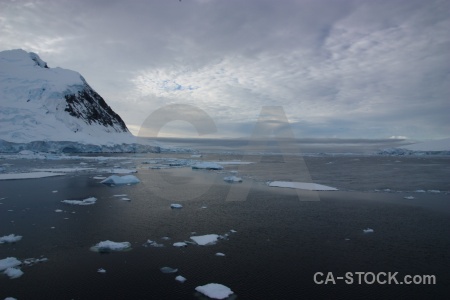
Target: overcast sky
{"type": "Point", "coordinates": [339, 68]}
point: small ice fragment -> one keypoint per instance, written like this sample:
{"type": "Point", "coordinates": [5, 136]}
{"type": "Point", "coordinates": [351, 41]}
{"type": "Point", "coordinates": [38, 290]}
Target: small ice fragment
{"type": "Point", "coordinates": [434, 191]}
{"type": "Point", "coordinates": [180, 278]}
{"type": "Point", "coordinates": [214, 290]}
{"type": "Point", "coordinates": [167, 270]}
{"type": "Point", "coordinates": [233, 231]}
{"type": "Point", "coordinates": [99, 177]}
{"type": "Point", "coordinates": [176, 206]}
{"type": "Point", "coordinates": [13, 273]}
{"type": "Point", "coordinates": [121, 180]}
{"type": "Point", "coordinates": [208, 239]}
{"type": "Point", "coordinates": [121, 195]}
{"type": "Point", "coordinates": [203, 207]}
{"type": "Point", "coordinates": [108, 246]}
{"type": "Point", "coordinates": [9, 262]}
{"type": "Point", "coordinates": [232, 179]}
{"type": "Point", "coordinates": [166, 238]}
{"type": "Point", "coordinates": [151, 243]}
{"type": "Point", "coordinates": [10, 238]}
{"type": "Point", "coordinates": [101, 270]}
{"type": "Point", "coordinates": [125, 199]}
{"type": "Point", "coordinates": [409, 197]}
{"type": "Point", "coordinates": [180, 244]}
{"type": "Point", "coordinates": [55, 191]}
{"type": "Point", "coordinates": [302, 185]}
{"type": "Point", "coordinates": [58, 210]}
{"type": "Point", "coordinates": [207, 166]}
{"type": "Point", "coordinates": [220, 254]}
{"type": "Point", "coordinates": [347, 239]}
{"type": "Point", "coordinates": [368, 230]}
{"type": "Point", "coordinates": [10, 298]}
{"type": "Point", "coordinates": [420, 191]}
{"type": "Point", "coordinates": [87, 201]}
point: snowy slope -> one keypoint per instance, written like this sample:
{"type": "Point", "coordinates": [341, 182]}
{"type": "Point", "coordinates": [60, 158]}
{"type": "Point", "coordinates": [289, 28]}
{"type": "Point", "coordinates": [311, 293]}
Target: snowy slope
{"type": "Point", "coordinates": [38, 103]}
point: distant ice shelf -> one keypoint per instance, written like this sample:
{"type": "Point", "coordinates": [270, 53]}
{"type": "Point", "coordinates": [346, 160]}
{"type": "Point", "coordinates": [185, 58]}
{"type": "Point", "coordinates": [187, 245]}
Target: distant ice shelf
{"type": "Point", "coordinates": [29, 175]}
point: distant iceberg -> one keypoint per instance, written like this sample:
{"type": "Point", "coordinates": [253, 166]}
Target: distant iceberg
{"type": "Point", "coordinates": [87, 201]}
{"type": "Point", "coordinates": [10, 238]}
{"type": "Point", "coordinates": [108, 246]}
{"type": "Point", "coordinates": [9, 262]}
{"type": "Point", "coordinates": [215, 290]}
{"type": "Point", "coordinates": [203, 240]}
{"type": "Point", "coordinates": [207, 166]}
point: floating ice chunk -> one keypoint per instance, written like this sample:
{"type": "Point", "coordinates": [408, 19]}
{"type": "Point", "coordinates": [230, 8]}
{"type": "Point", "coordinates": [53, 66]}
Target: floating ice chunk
{"type": "Point", "coordinates": [32, 261]}
{"type": "Point", "coordinates": [26, 152]}
{"type": "Point", "coordinates": [121, 195]}
{"type": "Point", "coordinates": [167, 270]}
{"type": "Point", "coordinates": [176, 206]}
{"type": "Point", "coordinates": [409, 197]}
{"type": "Point", "coordinates": [220, 254]}
{"type": "Point", "coordinates": [101, 270]}
{"type": "Point", "coordinates": [232, 179]}
{"type": "Point", "coordinates": [180, 278]}
{"type": "Point", "coordinates": [64, 170]}
{"type": "Point", "coordinates": [234, 162]}
{"type": "Point", "coordinates": [368, 230]}
{"type": "Point", "coordinates": [302, 185]}
{"type": "Point", "coordinates": [125, 199]}
{"type": "Point", "coordinates": [120, 180]}
{"type": "Point", "coordinates": [9, 262]}
{"type": "Point", "coordinates": [208, 239]}
{"type": "Point", "coordinates": [180, 244]}
{"type": "Point", "coordinates": [207, 166]}
{"type": "Point", "coordinates": [58, 210]}
{"type": "Point", "coordinates": [54, 192]}
{"type": "Point", "coordinates": [87, 201]}
{"type": "Point", "coordinates": [420, 191]}
{"type": "Point", "coordinates": [29, 175]}
{"type": "Point", "coordinates": [196, 155]}
{"type": "Point", "coordinates": [99, 177]}
{"type": "Point", "coordinates": [233, 231]}
{"type": "Point", "coordinates": [122, 171]}
{"type": "Point", "coordinates": [10, 238]}
{"type": "Point", "coordinates": [434, 191]}
{"type": "Point", "coordinates": [108, 246]}
{"type": "Point", "coordinates": [166, 238]}
{"type": "Point", "coordinates": [10, 298]}
{"type": "Point", "coordinates": [13, 273]}
{"type": "Point", "coordinates": [214, 290]}
{"type": "Point", "coordinates": [151, 243]}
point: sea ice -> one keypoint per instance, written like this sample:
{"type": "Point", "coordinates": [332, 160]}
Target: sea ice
{"type": "Point", "coordinates": [207, 166]}
{"type": "Point", "coordinates": [233, 231]}
{"type": "Point", "coordinates": [64, 170]}
{"type": "Point", "coordinates": [54, 192]}
{"type": "Point", "coordinates": [101, 270]}
{"type": "Point", "coordinates": [9, 262]}
{"type": "Point", "coordinates": [10, 238]}
{"type": "Point", "coordinates": [58, 210]}
{"type": "Point", "coordinates": [302, 185]}
{"type": "Point", "coordinates": [167, 270]}
{"type": "Point", "coordinates": [180, 244]}
{"type": "Point", "coordinates": [108, 246]}
{"type": "Point", "coordinates": [13, 273]}
{"type": "Point", "coordinates": [420, 191]}
{"type": "Point", "coordinates": [99, 177]}
{"type": "Point", "coordinates": [409, 197]}
{"type": "Point", "coordinates": [10, 298]}
{"type": "Point", "coordinates": [196, 155]}
{"type": "Point", "coordinates": [368, 230]}
{"type": "Point", "coordinates": [180, 278]}
{"type": "Point", "coordinates": [31, 261]}
{"type": "Point", "coordinates": [122, 171]}
{"type": "Point", "coordinates": [121, 180]}
{"type": "Point", "coordinates": [220, 254]}
{"type": "Point", "coordinates": [87, 201]}
{"type": "Point", "coordinates": [214, 290]}
{"type": "Point", "coordinates": [29, 175]}
{"type": "Point", "coordinates": [232, 179]}
{"type": "Point", "coordinates": [151, 243]}
{"type": "Point", "coordinates": [208, 239]}
{"type": "Point", "coordinates": [434, 191]}
{"type": "Point", "coordinates": [176, 206]}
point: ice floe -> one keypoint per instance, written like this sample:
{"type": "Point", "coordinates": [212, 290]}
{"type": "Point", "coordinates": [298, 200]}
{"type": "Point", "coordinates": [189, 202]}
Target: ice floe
{"type": "Point", "coordinates": [29, 175]}
{"type": "Point", "coordinates": [215, 290]}
{"type": "Point", "coordinates": [203, 240]}
{"type": "Point", "coordinates": [10, 238]}
{"type": "Point", "coordinates": [207, 166]}
{"type": "Point", "coordinates": [10, 298]}
{"type": "Point", "coordinates": [13, 273]}
{"type": "Point", "coordinates": [180, 278]}
{"type": "Point", "coordinates": [9, 262]}
{"type": "Point", "coordinates": [58, 210]}
{"type": "Point", "coordinates": [409, 197]}
{"type": "Point", "coordinates": [99, 177]}
{"type": "Point", "coordinates": [64, 170]}
{"type": "Point", "coordinates": [420, 191]}
{"type": "Point", "coordinates": [119, 171]}
{"type": "Point", "coordinates": [220, 254]}
{"type": "Point", "coordinates": [150, 243]}
{"type": "Point", "coordinates": [31, 261]}
{"type": "Point", "coordinates": [302, 185]}
{"type": "Point", "coordinates": [101, 270]}
{"type": "Point", "coordinates": [168, 270]}
{"type": "Point", "coordinates": [233, 231]}
{"type": "Point", "coordinates": [232, 179]}
{"type": "Point", "coordinates": [368, 230]}
{"type": "Point", "coordinates": [176, 206]}
{"type": "Point", "coordinates": [108, 246]}
{"type": "Point", "coordinates": [87, 201]}
{"type": "Point", "coordinates": [121, 180]}
{"type": "Point", "coordinates": [180, 244]}
{"type": "Point", "coordinates": [234, 162]}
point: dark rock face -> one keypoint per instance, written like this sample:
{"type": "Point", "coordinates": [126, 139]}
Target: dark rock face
{"type": "Point", "coordinates": [92, 108]}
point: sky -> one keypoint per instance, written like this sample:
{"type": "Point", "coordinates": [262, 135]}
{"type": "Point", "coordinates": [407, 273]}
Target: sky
{"type": "Point", "coordinates": [338, 68]}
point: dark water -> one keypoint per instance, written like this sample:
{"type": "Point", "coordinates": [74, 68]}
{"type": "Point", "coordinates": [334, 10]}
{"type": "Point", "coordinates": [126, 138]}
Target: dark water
{"type": "Point", "coordinates": [280, 243]}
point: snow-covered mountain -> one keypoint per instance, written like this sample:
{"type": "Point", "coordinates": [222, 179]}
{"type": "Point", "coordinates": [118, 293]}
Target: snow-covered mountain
{"type": "Point", "coordinates": [38, 103]}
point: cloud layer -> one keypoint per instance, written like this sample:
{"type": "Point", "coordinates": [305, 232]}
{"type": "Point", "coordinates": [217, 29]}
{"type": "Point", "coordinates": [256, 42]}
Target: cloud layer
{"type": "Point", "coordinates": [367, 69]}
